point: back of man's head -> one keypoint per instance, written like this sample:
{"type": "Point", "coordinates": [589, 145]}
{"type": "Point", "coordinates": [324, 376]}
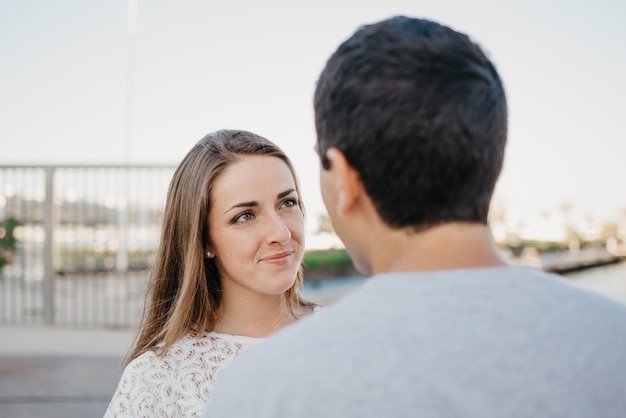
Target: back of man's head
{"type": "Point", "coordinates": [420, 112]}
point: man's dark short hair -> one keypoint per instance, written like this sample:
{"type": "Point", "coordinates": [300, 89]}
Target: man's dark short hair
{"type": "Point", "coordinates": [420, 111]}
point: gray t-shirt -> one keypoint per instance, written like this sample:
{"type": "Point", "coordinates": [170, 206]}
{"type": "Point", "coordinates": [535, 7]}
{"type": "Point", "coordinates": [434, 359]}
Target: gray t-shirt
{"type": "Point", "coordinates": [494, 342]}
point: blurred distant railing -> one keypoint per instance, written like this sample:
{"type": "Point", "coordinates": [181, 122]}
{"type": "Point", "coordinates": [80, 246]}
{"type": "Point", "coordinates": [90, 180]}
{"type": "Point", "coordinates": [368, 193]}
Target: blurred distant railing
{"type": "Point", "coordinates": [85, 236]}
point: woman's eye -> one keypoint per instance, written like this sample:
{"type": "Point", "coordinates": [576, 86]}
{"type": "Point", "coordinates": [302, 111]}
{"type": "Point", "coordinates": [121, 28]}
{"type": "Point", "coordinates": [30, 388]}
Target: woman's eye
{"type": "Point", "coordinates": [289, 203]}
{"type": "Point", "coordinates": [246, 216]}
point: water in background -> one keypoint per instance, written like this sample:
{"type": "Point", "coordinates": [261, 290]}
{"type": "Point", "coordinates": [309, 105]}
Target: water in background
{"type": "Point", "coordinates": [608, 280]}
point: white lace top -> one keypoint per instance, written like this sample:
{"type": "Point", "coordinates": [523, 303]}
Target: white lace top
{"type": "Point", "coordinates": [179, 383]}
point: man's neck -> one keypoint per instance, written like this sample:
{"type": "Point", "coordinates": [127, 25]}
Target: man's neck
{"type": "Point", "coordinates": [443, 247]}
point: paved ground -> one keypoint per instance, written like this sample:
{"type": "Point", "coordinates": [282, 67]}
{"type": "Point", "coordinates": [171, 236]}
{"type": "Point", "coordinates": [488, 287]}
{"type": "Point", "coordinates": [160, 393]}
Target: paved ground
{"type": "Point", "coordinates": [54, 372]}
{"type": "Point", "coordinates": [64, 386]}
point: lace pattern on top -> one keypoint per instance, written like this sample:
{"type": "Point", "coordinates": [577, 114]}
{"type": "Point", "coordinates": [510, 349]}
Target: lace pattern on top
{"type": "Point", "coordinates": [179, 383]}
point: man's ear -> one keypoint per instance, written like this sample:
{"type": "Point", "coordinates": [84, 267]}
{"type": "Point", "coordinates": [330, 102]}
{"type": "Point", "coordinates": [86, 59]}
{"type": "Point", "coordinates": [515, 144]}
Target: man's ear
{"type": "Point", "coordinates": [349, 185]}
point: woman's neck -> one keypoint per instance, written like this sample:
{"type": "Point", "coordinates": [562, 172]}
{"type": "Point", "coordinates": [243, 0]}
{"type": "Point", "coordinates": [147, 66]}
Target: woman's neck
{"type": "Point", "coordinates": [257, 318]}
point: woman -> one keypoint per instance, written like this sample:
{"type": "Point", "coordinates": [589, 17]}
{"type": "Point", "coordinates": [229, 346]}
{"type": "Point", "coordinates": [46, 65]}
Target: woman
{"type": "Point", "coordinates": [226, 275]}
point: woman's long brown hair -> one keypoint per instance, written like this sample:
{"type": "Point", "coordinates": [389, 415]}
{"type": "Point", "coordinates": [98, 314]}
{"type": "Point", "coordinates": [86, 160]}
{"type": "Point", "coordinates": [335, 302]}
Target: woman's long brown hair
{"type": "Point", "coordinates": [184, 289]}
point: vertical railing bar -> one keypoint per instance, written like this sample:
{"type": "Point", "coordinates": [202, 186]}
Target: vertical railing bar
{"type": "Point", "coordinates": [14, 285]}
{"type": "Point", "coordinates": [24, 311]}
{"type": "Point", "coordinates": [131, 175]}
{"type": "Point", "coordinates": [78, 282]}
{"type": "Point", "coordinates": [19, 299]}
{"type": "Point", "coordinates": [35, 254]}
{"type": "Point", "coordinates": [8, 278]}
{"type": "Point", "coordinates": [49, 288]}
{"type": "Point", "coordinates": [26, 214]}
{"type": "Point", "coordinates": [128, 186]}
{"type": "Point", "coordinates": [111, 226]}
{"type": "Point", "coordinates": [88, 303]}
{"type": "Point", "coordinates": [89, 228]}
{"type": "Point", "coordinates": [9, 205]}
{"type": "Point", "coordinates": [60, 285]}
{"type": "Point", "coordinates": [89, 240]}
{"type": "Point", "coordinates": [70, 225]}
{"type": "Point", "coordinates": [101, 217]}
{"type": "Point", "coordinates": [28, 248]}
{"type": "Point", "coordinates": [83, 284]}
{"type": "Point", "coordinates": [90, 220]}
{"type": "Point", "coordinates": [30, 253]}
{"type": "Point", "coordinates": [4, 308]}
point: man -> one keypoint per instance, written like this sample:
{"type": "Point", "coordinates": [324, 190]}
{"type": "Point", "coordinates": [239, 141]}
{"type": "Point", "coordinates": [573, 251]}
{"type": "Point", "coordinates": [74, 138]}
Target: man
{"type": "Point", "coordinates": [411, 121]}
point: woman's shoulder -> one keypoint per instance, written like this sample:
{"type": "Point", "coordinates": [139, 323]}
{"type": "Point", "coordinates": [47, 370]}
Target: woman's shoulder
{"type": "Point", "coordinates": [190, 349]}
{"type": "Point", "coordinates": [200, 344]}
{"type": "Point", "coordinates": [218, 339]}
{"type": "Point", "coordinates": [144, 361]}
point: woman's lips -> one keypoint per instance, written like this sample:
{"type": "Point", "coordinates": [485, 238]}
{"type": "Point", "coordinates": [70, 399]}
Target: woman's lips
{"type": "Point", "coordinates": [278, 257]}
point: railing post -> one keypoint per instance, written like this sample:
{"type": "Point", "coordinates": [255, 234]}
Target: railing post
{"type": "Point", "coordinates": [48, 280]}
{"type": "Point", "coordinates": [122, 222]}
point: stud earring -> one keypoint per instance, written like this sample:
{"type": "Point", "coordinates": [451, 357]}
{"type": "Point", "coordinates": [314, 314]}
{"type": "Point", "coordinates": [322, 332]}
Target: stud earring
{"type": "Point", "coordinates": [209, 254]}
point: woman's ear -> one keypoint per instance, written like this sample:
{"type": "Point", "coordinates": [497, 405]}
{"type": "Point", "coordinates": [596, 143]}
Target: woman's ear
{"type": "Point", "coordinates": [348, 181]}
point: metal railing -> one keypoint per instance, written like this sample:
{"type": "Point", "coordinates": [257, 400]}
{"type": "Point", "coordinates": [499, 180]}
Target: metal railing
{"type": "Point", "coordinates": [85, 238]}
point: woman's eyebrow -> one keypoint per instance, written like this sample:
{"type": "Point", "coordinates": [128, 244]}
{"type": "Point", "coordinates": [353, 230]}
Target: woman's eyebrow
{"type": "Point", "coordinates": [285, 193]}
{"type": "Point", "coordinates": [253, 203]}
{"type": "Point", "coordinates": [242, 205]}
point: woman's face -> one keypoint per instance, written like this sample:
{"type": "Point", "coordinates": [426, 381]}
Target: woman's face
{"type": "Point", "coordinates": [256, 227]}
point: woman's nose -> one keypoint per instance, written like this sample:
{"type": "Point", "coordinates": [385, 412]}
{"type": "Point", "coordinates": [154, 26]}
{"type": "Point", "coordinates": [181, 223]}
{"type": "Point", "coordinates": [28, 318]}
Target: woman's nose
{"type": "Point", "coordinates": [279, 231]}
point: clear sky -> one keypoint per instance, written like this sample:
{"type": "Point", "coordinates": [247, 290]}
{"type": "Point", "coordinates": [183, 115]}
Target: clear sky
{"type": "Point", "coordinates": [204, 65]}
